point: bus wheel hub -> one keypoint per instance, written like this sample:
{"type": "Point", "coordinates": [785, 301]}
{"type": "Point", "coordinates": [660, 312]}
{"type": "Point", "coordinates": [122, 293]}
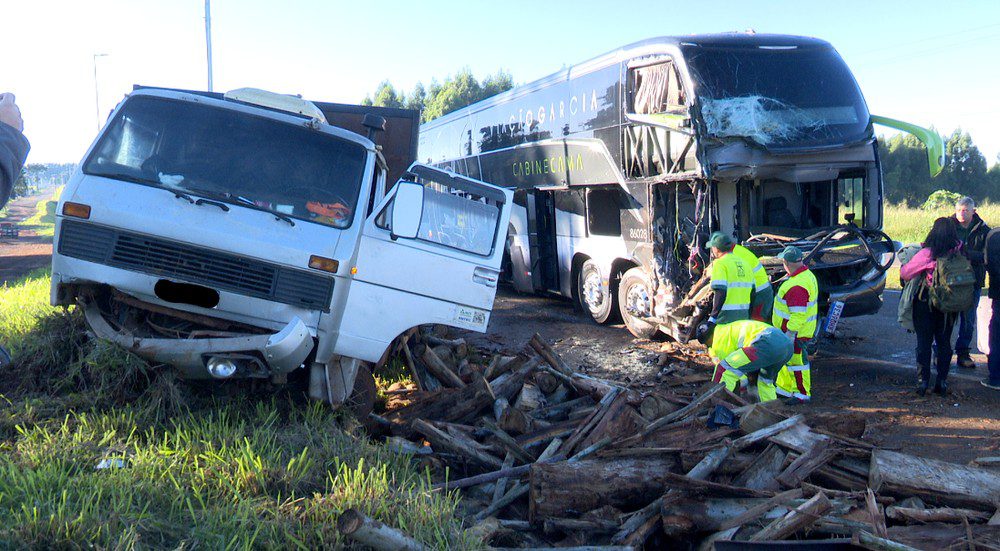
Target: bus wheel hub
{"type": "Point", "coordinates": [637, 302]}
{"type": "Point", "coordinates": [593, 291]}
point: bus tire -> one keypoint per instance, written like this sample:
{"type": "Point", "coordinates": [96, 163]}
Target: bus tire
{"type": "Point", "coordinates": [598, 301]}
{"type": "Point", "coordinates": [635, 294]}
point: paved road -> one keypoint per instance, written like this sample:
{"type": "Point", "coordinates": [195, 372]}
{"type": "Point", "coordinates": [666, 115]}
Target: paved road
{"type": "Point", "coordinates": [880, 339]}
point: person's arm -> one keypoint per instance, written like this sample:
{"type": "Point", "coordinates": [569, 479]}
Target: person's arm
{"type": "Point", "coordinates": [797, 300]}
{"type": "Point", "coordinates": [719, 284]}
{"type": "Point", "coordinates": [917, 265]}
{"type": "Point", "coordinates": [13, 146]}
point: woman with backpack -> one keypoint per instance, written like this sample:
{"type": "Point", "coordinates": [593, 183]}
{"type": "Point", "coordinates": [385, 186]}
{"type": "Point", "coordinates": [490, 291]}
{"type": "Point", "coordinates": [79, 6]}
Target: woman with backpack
{"type": "Point", "coordinates": [948, 284]}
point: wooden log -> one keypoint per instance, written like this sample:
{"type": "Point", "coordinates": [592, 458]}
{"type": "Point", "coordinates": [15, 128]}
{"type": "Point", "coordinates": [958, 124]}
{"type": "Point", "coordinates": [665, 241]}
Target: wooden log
{"type": "Point", "coordinates": [515, 421]}
{"type": "Point", "coordinates": [546, 382]}
{"type": "Point", "coordinates": [500, 488]}
{"type": "Point", "coordinates": [637, 538]}
{"type": "Point", "coordinates": [582, 383]}
{"type": "Point", "coordinates": [798, 437]}
{"type": "Point", "coordinates": [875, 515]}
{"type": "Point", "coordinates": [577, 548]}
{"type": "Point", "coordinates": [482, 478]}
{"type": "Point", "coordinates": [620, 419]}
{"type": "Point", "coordinates": [373, 533]}
{"type": "Point", "coordinates": [454, 405]}
{"type": "Point", "coordinates": [415, 372]}
{"type": "Point", "coordinates": [498, 366]}
{"type": "Point", "coordinates": [797, 519]}
{"type": "Point", "coordinates": [805, 464]}
{"type": "Point", "coordinates": [588, 484]}
{"type": "Point", "coordinates": [499, 406]}
{"type": "Point", "coordinates": [440, 369]}
{"type": "Point", "coordinates": [509, 384]}
{"type": "Point", "coordinates": [520, 489]}
{"type": "Point", "coordinates": [938, 535]}
{"type": "Point", "coordinates": [602, 408]}
{"type": "Point", "coordinates": [544, 435]}
{"type": "Point", "coordinates": [558, 410]}
{"type": "Point", "coordinates": [909, 515]}
{"type": "Point", "coordinates": [761, 473]}
{"type": "Point", "coordinates": [549, 355]}
{"type": "Point", "coordinates": [442, 441]}
{"type": "Point", "coordinates": [509, 444]}
{"type": "Point", "coordinates": [875, 543]}
{"type": "Point", "coordinates": [570, 525]}
{"type": "Point", "coordinates": [934, 480]}
{"type": "Point", "coordinates": [767, 432]}
{"type": "Point", "coordinates": [530, 398]}
{"type": "Point", "coordinates": [654, 406]}
{"type": "Point", "coordinates": [684, 411]}
{"type": "Point", "coordinates": [640, 522]}
{"type": "Point", "coordinates": [757, 416]}
{"type": "Point", "coordinates": [760, 509]}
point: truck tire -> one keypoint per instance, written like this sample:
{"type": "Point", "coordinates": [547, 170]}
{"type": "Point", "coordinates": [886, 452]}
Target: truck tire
{"type": "Point", "coordinates": [361, 402]}
{"type": "Point", "coordinates": [597, 301]}
{"type": "Point", "coordinates": [635, 298]}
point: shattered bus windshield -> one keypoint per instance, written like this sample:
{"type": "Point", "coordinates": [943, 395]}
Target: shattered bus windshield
{"type": "Point", "coordinates": [232, 156]}
{"type": "Point", "coordinates": [782, 97]}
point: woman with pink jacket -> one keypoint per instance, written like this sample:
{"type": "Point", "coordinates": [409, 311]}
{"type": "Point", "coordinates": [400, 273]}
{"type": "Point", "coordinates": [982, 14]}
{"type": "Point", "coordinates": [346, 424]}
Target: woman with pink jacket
{"type": "Point", "coordinates": [933, 327]}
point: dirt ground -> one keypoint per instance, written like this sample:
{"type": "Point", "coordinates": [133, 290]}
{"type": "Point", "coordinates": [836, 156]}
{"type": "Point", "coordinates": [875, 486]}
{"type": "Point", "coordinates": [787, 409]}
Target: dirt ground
{"type": "Point", "coordinates": [871, 385]}
{"type": "Point", "coordinates": [28, 251]}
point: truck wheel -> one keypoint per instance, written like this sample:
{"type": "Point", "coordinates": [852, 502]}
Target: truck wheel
{"type": "Point", "coordinates": [635, 300]}
{"type": "Point", "coordinates": [361, 402]}
{"type": "Point", "coordinates": [595, 299]}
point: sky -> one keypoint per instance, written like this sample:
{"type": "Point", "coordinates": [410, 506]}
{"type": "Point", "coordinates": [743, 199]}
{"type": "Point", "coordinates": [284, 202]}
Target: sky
{"type": "Point", "coordinates": [929, 63]}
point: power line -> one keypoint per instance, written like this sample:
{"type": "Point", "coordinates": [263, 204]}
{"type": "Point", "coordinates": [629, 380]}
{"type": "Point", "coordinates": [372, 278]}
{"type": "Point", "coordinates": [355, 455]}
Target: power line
{"type": "Point", "coordinates": [928, 39]}
{"type": "Point", "coordinates": [928, 51]}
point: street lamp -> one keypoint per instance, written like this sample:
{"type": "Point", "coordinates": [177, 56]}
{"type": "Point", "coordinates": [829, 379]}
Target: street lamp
{"type": "Point", "coordinates": [97, 101]}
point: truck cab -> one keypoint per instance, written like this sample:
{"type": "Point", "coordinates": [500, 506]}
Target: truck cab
{"type": "Point", "coordinates": [248, 235]}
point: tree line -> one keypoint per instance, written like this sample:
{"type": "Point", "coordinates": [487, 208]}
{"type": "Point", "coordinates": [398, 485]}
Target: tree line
{"type": "Point", "coordinates": [966, 171]}
{"type": "Point", "coordinates": [903, 157]}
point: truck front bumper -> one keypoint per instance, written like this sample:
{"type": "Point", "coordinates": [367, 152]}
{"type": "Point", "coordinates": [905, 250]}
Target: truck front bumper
{"type": "Point", "coordinates": [276, 353]}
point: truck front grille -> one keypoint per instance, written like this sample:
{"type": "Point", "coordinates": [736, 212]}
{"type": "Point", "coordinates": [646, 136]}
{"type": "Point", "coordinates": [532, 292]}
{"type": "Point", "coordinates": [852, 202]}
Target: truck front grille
{"type": "Point", "coordinates": [222, 271]}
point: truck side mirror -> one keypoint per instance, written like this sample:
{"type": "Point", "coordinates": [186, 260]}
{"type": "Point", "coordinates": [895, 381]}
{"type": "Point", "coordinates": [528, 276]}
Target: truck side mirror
{"type": "Point", "coordinates": [407, 209]}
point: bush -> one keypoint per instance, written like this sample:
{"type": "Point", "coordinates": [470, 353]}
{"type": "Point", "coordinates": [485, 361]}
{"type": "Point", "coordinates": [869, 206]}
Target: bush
{"type": "Point", "coordinates": [940, 199]}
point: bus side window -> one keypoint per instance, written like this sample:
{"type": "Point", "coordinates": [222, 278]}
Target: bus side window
{"type": "Point", "coordinates": [656, 89]}
{"type": "Point", "coordinates": [604, 211]}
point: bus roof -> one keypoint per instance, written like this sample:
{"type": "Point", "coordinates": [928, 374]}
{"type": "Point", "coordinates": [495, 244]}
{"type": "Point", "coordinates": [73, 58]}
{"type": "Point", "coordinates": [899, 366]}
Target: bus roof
{"type": "Point", "coordinates": [649, 46]}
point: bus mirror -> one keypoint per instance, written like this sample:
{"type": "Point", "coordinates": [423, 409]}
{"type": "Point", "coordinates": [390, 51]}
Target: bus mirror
{"type": "Point", "coordinates": [407, 209]}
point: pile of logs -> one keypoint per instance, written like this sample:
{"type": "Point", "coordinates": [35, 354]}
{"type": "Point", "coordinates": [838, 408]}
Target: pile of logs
{"type": "Point", "coordinates": [548, 457]}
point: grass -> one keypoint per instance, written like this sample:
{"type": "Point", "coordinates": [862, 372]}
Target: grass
{"type": "Point", "coordinates": [222, 468]}
{"type": "Point", "coordinates": [44, 219]}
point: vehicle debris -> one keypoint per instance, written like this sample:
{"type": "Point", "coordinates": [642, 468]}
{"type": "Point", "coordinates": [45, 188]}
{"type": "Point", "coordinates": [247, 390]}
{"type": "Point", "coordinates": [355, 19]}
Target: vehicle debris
{"type": "Point", "coordinates": [596, 462]}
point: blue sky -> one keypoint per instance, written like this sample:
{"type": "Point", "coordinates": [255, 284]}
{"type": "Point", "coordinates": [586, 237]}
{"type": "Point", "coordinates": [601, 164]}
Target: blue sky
{"type": "Point", "coordinates": [930, 63]}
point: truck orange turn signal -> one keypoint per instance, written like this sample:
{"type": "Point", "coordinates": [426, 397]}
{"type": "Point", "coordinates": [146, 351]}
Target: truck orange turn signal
{"type": "Point", "coordinates": [76, 210]}
{"type": "Point", "coordinates": [325, 264]}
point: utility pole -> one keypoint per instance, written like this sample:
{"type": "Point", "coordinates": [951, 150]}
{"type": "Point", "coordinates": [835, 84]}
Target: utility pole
{"type": "Point", "coordinates": [208, 39]}
{"type": "Point", "coordinates": [97, 101]}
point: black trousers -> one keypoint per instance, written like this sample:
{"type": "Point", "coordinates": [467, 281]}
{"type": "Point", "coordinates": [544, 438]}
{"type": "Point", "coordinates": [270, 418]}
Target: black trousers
{"type": "Point", "coordinates": [933, 329]}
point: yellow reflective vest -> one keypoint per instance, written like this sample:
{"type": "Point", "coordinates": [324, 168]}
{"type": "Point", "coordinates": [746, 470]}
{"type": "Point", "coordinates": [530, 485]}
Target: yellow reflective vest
{"type": "Point", "coordinates": [796, 317]}
{"type": "Point", "coordinates": [760, 279]}
{"type": "Point", "coordinates": [730, 272]}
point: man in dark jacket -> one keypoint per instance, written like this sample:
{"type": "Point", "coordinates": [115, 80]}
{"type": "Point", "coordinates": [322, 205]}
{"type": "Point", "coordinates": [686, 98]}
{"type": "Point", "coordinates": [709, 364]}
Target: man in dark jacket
{"type": "Point", "coordinates": [13, 145]}
{"type": "Point", "coordinates": [993, 266]}
{"type": "Point", "coordinates": [13, 151]}
{"type": "Point", "coordinates": [972, 231]}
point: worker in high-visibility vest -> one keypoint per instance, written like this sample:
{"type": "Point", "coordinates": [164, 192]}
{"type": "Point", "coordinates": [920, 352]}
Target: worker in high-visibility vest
{"type": "Point", "coordinates": [763, 294]}
{"type": "Point", "coordinates": [732, 281]}
{"type": "Point", "coordinates": [745, 347]}
{"type": "Point", "coordinates": [796, 314]}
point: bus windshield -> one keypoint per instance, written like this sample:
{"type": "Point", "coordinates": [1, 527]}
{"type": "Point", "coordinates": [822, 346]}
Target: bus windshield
{"type": "Point", "coordinates": [234, 157]}
{"type": "Point", "coordinates": [783, 97]}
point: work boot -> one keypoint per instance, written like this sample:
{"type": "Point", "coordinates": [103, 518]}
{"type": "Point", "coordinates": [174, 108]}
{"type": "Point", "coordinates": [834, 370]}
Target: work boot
{"type": "Point", "coordinates": [921, 385]}
{"type": "Point", "coordinates": [941, 387]}
{"type": "Point", "coordinates": [965, 361]}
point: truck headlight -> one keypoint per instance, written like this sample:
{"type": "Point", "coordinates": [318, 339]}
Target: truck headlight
{"type": "Point", "coordinates": [221, 368]}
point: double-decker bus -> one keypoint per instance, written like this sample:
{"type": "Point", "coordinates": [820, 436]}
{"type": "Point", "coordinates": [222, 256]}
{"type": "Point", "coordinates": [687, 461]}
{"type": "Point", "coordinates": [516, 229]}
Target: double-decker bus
{"type": "Point", "coordinates": [622, 166]}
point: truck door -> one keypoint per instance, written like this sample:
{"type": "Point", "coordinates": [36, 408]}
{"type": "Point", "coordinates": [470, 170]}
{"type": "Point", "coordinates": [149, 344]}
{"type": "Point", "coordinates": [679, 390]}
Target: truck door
{"type": "Point", "coordinates": [445, 272]}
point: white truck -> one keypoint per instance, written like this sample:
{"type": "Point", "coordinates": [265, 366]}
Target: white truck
{"type": "Point", "coordinates": [248, 234]}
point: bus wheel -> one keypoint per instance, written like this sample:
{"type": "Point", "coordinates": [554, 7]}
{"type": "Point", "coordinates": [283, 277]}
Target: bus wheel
{"type": "Point", "coordinates": [635, 300]}
{"type": "Point", "coordinates": [595, 298]}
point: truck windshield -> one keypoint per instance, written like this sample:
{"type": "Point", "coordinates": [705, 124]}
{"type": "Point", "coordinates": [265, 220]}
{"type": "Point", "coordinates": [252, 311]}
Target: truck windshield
{"type": "Point", "coordinates": [232, 156]}
{"type": "Point", "coordinates": [786, 97]}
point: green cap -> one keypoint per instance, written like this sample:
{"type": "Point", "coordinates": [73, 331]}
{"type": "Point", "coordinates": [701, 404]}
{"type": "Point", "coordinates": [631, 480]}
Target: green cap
{"type": "Point", "coordinates": [790, 254]}
{"type": "Point", "coordinates": [720, 241]}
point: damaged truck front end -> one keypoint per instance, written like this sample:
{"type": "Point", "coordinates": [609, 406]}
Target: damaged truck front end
{"type": "Point", "coordinates": [255, 235]}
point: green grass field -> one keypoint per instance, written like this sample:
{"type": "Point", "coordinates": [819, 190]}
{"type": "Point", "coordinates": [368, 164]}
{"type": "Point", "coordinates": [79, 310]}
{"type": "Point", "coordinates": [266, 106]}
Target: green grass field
{"type": "Point", "coordinates": [223, 468]}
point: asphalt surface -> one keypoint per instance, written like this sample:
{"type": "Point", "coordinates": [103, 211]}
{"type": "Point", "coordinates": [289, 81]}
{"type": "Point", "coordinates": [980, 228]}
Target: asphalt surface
{"type": "Point", "coordinates": [879, 339]}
